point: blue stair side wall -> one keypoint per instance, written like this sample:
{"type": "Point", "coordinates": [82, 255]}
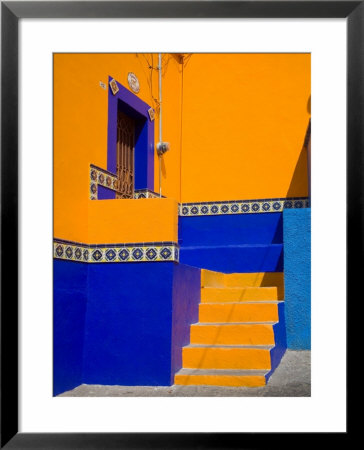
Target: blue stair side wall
{"type": "Point", "coordinates": [185, 304]}
{"type": "Point", "coordinates": [280, 340]}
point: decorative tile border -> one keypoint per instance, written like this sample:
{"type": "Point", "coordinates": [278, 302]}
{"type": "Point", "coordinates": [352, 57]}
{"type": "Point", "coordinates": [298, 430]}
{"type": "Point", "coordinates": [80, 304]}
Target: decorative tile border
{"type": "Point", "coordinates": [116, 253]}
{"type": "Point", "coordinates": [109, 180]}
{"type": "Point", "coordinates": [242, 206]}
{"type": "Point", "coordinates": [146, 193]}
{"type": "Point", "coordinates": [101, 177]}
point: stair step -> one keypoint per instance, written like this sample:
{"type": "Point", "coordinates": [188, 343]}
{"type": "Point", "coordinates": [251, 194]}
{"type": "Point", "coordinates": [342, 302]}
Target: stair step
{"type": "Point", "coordinates": [248, 378]}
{"type": "Point", "coordinates": [235, 294]}
{"type": "Point", "coordinates": [226, 357]}
{"type": "Point", "coordinates": [232, 333]}
{"type": "Point", "coordinates": [243, 346]}
{"type": "Point", "coordinates": [260, 311]}
{"type": "Point", "coordinates": [231, 372]}
{"type": "Point", "coordinates": [210, 278]}
{"type": "Point", "coordinates": [266, 322]}
{"type": "Point", "coordinates": [258, 279]}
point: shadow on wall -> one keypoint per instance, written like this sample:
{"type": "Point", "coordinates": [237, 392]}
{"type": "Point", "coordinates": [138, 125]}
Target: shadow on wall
{"type": "Point", "coordinates": [270, 279]}
{"type": "Point", "coordinates": [297, 254]}
{"type": "Point", "coordinates": [299, 186]}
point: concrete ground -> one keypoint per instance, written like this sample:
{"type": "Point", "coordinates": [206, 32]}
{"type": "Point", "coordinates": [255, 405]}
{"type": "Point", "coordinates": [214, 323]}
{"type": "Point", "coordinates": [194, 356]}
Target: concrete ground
{"type": "Point", "coordinates": [292, 378]}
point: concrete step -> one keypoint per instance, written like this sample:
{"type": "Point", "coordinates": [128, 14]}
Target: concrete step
{"type": "Point", "coordinates": [232, 333]}
{"type": "Point", "coordinates": [248, 378]}
{"type": "Point", "coordinates": [238, 294]}
{"type": "Point", "coordinates": [260, 311]}
{"type": "Point", "coordinates": [226, 357]}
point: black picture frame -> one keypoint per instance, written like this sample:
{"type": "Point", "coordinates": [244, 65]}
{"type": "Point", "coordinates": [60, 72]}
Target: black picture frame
{"type": "Point", "coordinates": [11, 12]}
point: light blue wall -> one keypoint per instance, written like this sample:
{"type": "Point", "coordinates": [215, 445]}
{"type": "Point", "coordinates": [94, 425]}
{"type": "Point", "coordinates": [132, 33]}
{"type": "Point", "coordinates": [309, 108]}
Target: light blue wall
{"type": "Point", "coordinates": [297, 277]}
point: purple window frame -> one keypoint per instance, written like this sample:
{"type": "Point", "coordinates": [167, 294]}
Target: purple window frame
{"type": "Point", "coordinates": [133, 106]}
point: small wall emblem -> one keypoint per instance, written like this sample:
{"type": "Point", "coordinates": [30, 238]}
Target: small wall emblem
{"type": "Point", "coordinates": [114, 86]}
{"type": "Point", "coordinates": [133, 82]}
{"type": "Point", "coordinates": [151, 114]}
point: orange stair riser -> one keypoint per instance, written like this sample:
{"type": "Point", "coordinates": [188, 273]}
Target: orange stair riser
{"type": "Point", "coordinates": [238, 295]}
{"type": "Point", "coordinates": [220, 380]}
{"type": "Point", "coordinates": [235, 312]}
{"type": "Point", "coordinates": [214, 279]}
{"type": "Point", "coordinates": [218, 279]}
{"type": "Point", "coordinates": [253, 279]}
{"type": "Point", "coordinates": [232, 334]}
{"type": "Point", "coordinates": [225, 358]}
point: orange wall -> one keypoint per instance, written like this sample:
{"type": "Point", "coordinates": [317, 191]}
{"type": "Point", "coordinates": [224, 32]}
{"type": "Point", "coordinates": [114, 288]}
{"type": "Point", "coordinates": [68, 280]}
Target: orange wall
{"type": "Point", "coordinates": [80, 139]}
{"type": "Point", "coordinates": [244, 122]}
{"type": "Point", "coordinates": [171, 128]}
{"type": "Point", "coordinates": [126, 221]}
{"type": "Point", "coordinates": [236, 125]}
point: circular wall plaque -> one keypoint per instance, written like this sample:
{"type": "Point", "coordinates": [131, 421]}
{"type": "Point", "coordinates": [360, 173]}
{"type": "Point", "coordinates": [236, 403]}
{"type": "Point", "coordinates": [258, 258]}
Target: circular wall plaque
{"type": "Point", "coordinates": [133, 82]}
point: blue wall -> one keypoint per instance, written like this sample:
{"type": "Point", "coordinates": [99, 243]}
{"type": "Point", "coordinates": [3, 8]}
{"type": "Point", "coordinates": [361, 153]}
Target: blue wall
{"type": "Point", "coordinates": [137, 319]}
{"type": "Point", "coordinates": [104, 193]}
{"type": "Point", "coordinates": [128, 324]}
{"type": "Point", "coordinates": [230, 229]}
{"type": "Point", "coordinates": [121, 323]}
{"type": "Point", "coordinates": [233, 242]}
{"type": "Point", "coordinates": [297, 277]}
{"type": "Point", "coordinates": [69, 307]}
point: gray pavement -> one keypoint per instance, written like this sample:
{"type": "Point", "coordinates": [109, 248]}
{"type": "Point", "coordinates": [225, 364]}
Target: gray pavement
{"type": "Point", "coordinates": [292, 378]}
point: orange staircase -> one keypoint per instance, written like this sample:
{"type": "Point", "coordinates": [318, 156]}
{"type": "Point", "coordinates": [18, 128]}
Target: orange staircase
{"type": "Point", "coordinates": [234, 343]}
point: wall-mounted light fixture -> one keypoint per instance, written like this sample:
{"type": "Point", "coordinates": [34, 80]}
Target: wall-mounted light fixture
{"type": "Point", "coordinates": [162, 147]}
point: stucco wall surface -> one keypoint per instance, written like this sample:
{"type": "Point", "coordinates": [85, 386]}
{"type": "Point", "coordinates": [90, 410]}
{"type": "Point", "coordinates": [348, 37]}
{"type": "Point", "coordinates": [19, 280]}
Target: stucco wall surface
{"type": "Point", "coordinates": [297, 277]}
{"type": "Point", "coordinates": [81, 131]}
{"type": "Point", "coordinates": [121, 323]}
{"type": "Point", "coordinates": [236, 125]}
{"type": "Point", "coordinates": [244, 122]}
{"type": "Point", "coordinates": [69, 310]}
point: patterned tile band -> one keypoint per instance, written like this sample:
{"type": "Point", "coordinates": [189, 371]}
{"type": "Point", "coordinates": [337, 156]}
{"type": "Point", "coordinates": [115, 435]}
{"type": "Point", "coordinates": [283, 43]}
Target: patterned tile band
{"type": "Point", "coordinates": [116, 253]}
{"type": "Point", "coordinates": [109, 180]}
{"type": "Point", "coordinates": [146, 193]}
{"type": "Point", "coordinates": [101, 177]}
{"type": "Point", "coordinates": [242, 206]}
